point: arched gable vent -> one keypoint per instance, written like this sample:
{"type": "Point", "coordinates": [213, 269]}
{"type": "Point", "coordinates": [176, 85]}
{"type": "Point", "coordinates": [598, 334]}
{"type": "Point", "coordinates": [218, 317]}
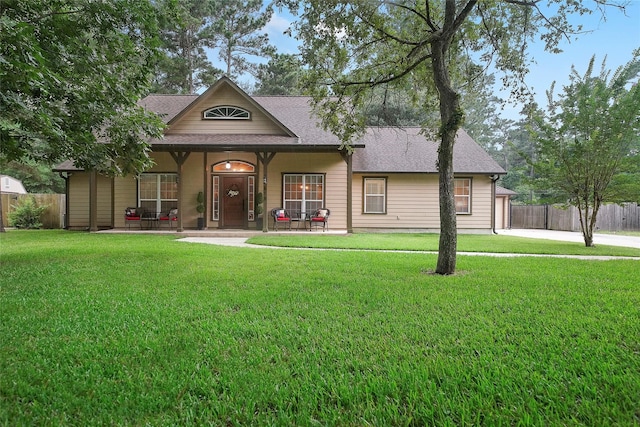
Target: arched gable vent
{"type": "Point", "coordinates": [226, 112]}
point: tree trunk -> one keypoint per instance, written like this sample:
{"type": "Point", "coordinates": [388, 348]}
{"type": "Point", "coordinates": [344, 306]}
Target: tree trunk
{"type": "Point", "coordinates": [1, 218]}
{"type": "Point", "coordinates": [451, 119]}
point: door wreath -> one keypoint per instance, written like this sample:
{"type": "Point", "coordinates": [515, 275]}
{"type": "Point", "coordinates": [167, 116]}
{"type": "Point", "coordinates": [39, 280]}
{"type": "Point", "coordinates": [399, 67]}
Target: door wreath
{"type": "Point", "coordinates": [233, 191]}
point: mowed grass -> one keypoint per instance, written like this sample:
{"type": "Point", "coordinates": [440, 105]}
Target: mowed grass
{"type": "Point", "coordinates": [144, 330]}
{"type": "Point", "coordinates": [429, 242]}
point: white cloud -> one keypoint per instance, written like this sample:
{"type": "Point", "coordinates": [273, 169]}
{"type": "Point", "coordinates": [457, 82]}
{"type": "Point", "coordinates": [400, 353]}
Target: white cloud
{"type": "Point", "coordinates": [277, 25]}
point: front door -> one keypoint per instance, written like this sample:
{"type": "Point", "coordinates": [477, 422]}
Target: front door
{"type": "Point", "coordinates": [234, 189]}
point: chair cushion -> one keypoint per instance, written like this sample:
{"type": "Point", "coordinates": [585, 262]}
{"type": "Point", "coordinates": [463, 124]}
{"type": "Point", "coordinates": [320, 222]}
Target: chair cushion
{"type": "Point", "coordinates": [282, 218]}
{"type": "Point", "coordinates": [164, 218]}
{"type": "Point", "coordinates": [318, 219]}
{"type": "Point", "coordinates": [321, 213]}
{"type": "Point", "coordinates": [132, 218]}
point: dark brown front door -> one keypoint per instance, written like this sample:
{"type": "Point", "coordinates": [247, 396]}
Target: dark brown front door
{"type": "Point", "coordinates": [234, 189]}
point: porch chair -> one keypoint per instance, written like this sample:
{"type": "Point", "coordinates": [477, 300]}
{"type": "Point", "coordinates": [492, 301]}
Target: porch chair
{"type": "Point", "coordinates": [320, 216]}
{"type": "Point", "coordinates": [168, 218]}
{"type": "Point", "coordinates": [280, 216]}
{"type": "Point", "coordinates": [133, 216]}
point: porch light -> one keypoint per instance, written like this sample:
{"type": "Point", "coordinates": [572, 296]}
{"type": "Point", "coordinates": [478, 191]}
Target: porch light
{"type": "Point", "coordinates": [227, 165]}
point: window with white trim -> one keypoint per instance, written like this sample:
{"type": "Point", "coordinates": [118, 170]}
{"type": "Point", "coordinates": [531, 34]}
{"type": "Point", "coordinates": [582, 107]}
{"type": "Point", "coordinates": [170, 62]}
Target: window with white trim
{"type": "Point", "coordinates": [303, 193]}
{"type": "Point", "coordinates": [158, 192]}
{"type": "Point", "coordinates": [215, 197]}
{"type": "Point", "coordinates": [226, 112]}
{"type": "Point", "coordinates": [462, 195]}
{"type": "Point", "coordinates": [375, 195]}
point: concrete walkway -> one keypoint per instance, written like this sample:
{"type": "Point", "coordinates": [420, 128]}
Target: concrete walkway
{"type": "Point", "coordinates": [241, 242]}
{"type": "Point", "coordinates": [569, 236]}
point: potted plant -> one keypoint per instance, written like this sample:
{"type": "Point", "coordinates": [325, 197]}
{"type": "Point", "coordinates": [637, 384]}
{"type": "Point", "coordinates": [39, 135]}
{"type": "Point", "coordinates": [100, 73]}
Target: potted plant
{"type": "Point", "coordinates": [200, 209]}
{"type": "Point", "coordinates": [258, 211]}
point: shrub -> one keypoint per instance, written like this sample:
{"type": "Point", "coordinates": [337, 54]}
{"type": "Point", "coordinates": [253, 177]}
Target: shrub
{"type": "Point", "coordinates": [26, 214]}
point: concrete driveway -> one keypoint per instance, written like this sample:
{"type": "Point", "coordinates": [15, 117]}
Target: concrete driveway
{"type": "Point", "coordinates": [569, 236]}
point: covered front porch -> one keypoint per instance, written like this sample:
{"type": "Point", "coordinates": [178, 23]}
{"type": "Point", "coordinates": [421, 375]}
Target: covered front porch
{"type": "Point", "coordinates": [221, 233]}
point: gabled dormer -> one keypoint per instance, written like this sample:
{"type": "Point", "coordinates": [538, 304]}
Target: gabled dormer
{"type": "Point", "coordinates": [225, 108]}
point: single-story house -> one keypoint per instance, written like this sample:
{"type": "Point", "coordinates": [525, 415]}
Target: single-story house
{"type": "Point", "coordinates": [232, 146]}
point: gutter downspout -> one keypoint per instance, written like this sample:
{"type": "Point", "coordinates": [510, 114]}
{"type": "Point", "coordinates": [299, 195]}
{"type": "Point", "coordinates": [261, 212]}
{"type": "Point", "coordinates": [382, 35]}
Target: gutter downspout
{"type": "Point", "coordinates": [493, 178]}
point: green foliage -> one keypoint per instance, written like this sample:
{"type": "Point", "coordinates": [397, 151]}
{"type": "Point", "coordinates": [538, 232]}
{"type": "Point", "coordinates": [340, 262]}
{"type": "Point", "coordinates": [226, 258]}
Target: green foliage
{"type": "Point", "coordinates": [37, 177]}
{"type": "Point", "coordinates": [184, 67]}
{"type": "Point", "coordinates": [584, 137]}
{"type": "Point", "coordinates": [282, 75]}
{"type": "Point", "coordinates": [72, 72]}
{"type": "Point", "coordinates": [259, 200]}
{"type": "Point", "coordinates": [26, 214]}
{"type": "Point", "coordinates": [233, 33]}
{"type": "Point", "coordinates": [352, 47]}
{"type": "Point", "coordinates": [200, 203]}
{"type": "Point", "coordinates": [95, 331]}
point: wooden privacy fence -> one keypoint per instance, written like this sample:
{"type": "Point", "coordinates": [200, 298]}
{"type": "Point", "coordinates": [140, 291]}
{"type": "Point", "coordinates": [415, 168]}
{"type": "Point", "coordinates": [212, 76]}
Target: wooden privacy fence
{"type": "Point", "coordinates": [52, 217]}
{"type": "Point", "coordinates": [612, 217]}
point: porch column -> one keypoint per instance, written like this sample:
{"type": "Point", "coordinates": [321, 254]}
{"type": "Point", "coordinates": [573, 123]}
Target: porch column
{"type": "Point", "coordinates": [93, 200]}
{"type": "Point", "coordinates": [180, 157]}
{"type": "Point", "coordinates": [205, 185]}
{"type": "Point", "coordinates": [265, 158]}
{"type": "Point", "coordinates": [348, 158]}
{"type": "Point", "coordinates": [113, 202]}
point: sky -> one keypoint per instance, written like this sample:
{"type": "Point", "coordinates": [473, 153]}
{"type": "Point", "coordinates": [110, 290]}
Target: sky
{"type": "Point", "coordinates": [614, 36]}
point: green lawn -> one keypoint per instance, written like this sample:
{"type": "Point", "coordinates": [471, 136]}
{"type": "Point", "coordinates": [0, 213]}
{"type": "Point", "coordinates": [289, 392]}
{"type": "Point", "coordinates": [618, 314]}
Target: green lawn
{"type": "Point", "coordinates": [429, 242]}
{"type": "Point", "coordinates": [143, 330]}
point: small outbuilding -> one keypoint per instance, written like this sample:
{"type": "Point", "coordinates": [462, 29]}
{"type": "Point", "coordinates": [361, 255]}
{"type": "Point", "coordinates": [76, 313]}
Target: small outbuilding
{"type": "Point", "coordinates": [9, 185]}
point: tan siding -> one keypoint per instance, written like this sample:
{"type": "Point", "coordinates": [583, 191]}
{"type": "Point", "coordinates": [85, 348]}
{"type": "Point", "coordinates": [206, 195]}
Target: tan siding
{"type": "Point", "coordinates": [413, 203]}
{"type": "Point", "coordinates": [78, 215]}
{"type": "Point", "coordinates": [164, 163]}
{"type": "Point", "coordinates": [335, 181]}
{"type": "Point", "coordinates": [192, 122]}
{"type": "Point", "coordinates": [104, 201]}
{"type": "Point", "coordinates": [126, 195]}
{"type": "Point", "coordinates": [481, 200]}
{"type": "Point", "coordinates": [192, 182]}
{"type": "Point", "coordinates": [502, 212]}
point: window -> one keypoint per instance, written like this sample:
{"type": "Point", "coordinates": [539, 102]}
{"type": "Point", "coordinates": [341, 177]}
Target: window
{"type": "Point", "coordinates": [462, 192]}
{"type": "Point", "coordinates": [233, 166]}
{"type": "Point", "coordinates": [215, 188]}
{"type": "Point", "coordinates": [375, 195]}
{"type": "Point", "coordinates": [226, 112]}
{"type": "Point", "coordinates": [303, 193]}
{"type": "Point", "coordinates": [158, 192]}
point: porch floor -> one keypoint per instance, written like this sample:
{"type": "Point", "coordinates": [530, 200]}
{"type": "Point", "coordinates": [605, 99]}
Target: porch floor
{"type": "Point", "coordinates": [219, 232]}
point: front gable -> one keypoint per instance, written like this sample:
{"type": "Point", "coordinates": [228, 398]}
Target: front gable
{"type": "Point", "coordinates": [225, 109]}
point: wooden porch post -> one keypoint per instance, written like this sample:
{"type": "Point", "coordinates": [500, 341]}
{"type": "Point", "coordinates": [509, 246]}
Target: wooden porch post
{"type": "Point", "coordinates": [205, 185]}
{"type": "Point", "coordinates": [348, 158]}
{"type": "Point", "coordinates": [180, 157]}
{"type": "Point", "coordinates": [265, 158]}
{"type": "Point", "coordinates": [93, 200]}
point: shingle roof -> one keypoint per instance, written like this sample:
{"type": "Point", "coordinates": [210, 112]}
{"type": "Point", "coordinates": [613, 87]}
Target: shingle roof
{"type": "Point", "coordinates": [501, 191]}
{"type": "Point", "coordinates": [167, 106]}
{"type": "Point", "coordinates": [407, 150]}
{"type": "Point", "coordinates": [385, 149]}
{"type": "Point", "coordinates": [295, 112]}
{"type": "Point", "coordinates": [292, 111]}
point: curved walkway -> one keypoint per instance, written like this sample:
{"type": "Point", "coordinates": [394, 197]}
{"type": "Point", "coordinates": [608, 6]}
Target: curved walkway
{"type": "Point", "coordinates": [241, 242]}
